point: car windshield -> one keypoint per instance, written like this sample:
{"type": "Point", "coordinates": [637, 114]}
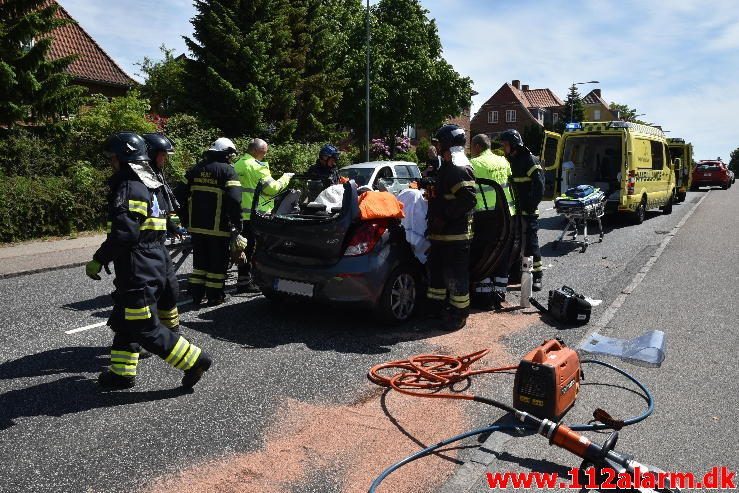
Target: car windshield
{"type": "Point", "coordinates": [361, 176]}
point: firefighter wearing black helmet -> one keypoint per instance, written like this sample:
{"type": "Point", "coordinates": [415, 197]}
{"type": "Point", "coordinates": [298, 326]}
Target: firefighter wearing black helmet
{"type": "Point", "coordinates": [213, 218]}
{"type": "Point", "coordinates": [527, 182]}
{"type": "Point", "coordinates": [135, 245]}
{"type": "Point", "coordinates": [159, 148]}
{"type": "Point", "coordinates": [451, 205]}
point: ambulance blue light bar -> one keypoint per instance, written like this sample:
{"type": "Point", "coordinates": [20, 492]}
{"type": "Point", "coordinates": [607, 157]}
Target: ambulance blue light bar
{"type": "Point", "coordinates": [573, 126]}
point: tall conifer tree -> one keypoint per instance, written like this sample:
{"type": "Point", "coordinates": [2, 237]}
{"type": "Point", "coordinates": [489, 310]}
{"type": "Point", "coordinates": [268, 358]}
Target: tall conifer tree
{"type": "Point", "coordinates": [33, 88]}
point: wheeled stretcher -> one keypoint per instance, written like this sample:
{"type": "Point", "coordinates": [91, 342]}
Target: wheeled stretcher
{"type": "Point", "coordinates": [579, 206]}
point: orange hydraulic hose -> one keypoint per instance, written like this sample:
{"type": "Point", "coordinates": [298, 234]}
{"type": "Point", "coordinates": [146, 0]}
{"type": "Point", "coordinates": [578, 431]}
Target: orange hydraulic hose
{"type": "Point", "coordinates": [424, 375]}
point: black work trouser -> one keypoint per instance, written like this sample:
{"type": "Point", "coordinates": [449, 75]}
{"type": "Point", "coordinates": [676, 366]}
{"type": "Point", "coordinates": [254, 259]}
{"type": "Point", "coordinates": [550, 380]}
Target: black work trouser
{"type": "Point", "coordinates": [210, 258]}
{"type": "Point", "coordinates": [245, 268]}
{"type": "Point", "coordinates": [144, 304]}
{"type": "Point", "coordinates": [449, 275]}
{"type": "Point", "coordinates": [530, 231]}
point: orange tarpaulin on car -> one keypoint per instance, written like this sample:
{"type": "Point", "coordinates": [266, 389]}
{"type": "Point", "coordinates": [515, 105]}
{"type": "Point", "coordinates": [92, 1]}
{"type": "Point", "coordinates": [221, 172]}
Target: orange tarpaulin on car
{"type": "Point", "coordinates": [379, 205]}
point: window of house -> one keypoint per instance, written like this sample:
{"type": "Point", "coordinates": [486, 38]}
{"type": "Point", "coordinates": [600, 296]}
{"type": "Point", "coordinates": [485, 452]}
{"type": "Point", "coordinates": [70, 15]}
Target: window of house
{"type": "Point", "coordinates": [596, 115]}
{"type": "Point", "coordinates": [658, 161]}
{"type": "Point", "coordinates": [510, 116]}
{"type": "Point", "coordinates": [410, 132]}
{"type": "Point", "coordinates": [555, 117]}
{"type": "Point", "coordinates": [492, 117]}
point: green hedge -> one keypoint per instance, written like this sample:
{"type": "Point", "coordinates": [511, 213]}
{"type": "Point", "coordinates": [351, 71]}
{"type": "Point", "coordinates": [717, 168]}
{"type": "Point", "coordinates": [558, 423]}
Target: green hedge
{"type": "Point", "coordinates": [50, 205]}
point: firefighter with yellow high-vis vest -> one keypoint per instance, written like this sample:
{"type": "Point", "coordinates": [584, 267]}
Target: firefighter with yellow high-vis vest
{"type": "Point", "coordinates": [213, 219]}
{"type": "Point", "coordinates": [137, 216]}
{"type": "Point", "coordinates": [493, 167]}
{"type": "Point", "coordinates": [527, 181]}
{"type": "Point", "coordinates": [451, 205]}
{"type": "Point", "coordinates": [252, 171]}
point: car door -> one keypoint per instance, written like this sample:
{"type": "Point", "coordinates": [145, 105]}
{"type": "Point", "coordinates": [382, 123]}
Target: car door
{"type": "Point", "coordinates": [550, 160]}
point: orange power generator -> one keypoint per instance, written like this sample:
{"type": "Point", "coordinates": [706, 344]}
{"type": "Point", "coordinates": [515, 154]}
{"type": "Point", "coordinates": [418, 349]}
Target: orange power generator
{"type": "Point", "coordinates": [547, 381]}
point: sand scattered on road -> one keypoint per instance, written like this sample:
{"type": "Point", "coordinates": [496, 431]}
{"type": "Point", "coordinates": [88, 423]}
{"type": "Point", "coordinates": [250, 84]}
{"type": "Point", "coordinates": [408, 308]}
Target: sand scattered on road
{"type": "Point", "coordinates": [353, 443]}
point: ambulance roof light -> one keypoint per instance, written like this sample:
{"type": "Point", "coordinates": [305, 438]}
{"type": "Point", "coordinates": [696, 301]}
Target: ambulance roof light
{"type": "Point", "coordinates": [619, 124]}
{"type": "Point", "coordinates": [573, 126]}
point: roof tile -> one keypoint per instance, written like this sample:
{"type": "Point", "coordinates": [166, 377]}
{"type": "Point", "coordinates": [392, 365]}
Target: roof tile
{"type": "Point", "coordinates": [93, 63]}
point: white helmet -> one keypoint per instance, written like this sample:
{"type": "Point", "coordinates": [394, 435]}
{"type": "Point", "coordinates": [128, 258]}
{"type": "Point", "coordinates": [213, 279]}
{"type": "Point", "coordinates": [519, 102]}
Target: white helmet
{"type": "Point", "coordinates": [223, 145]}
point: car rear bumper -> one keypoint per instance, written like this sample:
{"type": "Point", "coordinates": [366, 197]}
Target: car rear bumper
{"type": "Point", "coordinates": [710, 182]}
{"type": "Point", "coordinates": [353, 280]}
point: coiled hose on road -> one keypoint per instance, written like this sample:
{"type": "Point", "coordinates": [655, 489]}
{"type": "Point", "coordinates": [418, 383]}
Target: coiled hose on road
{"type": "Point", "coordinates": [422, 374]}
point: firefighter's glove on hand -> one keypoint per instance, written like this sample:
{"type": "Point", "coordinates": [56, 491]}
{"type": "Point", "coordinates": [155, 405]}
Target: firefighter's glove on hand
{"type": "Point", "coordinates": [92, 269]}
{"type": "Point", "coordinates": [238, 244]}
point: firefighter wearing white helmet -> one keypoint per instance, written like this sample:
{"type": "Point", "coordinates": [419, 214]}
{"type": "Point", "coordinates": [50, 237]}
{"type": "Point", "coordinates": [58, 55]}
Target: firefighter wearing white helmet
{"type": "Point", "coordinates": [213, 217]}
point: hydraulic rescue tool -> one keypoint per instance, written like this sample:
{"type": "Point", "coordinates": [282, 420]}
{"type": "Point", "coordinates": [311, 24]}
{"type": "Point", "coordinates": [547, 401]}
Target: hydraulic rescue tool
{"type": "Point", "coordinates": [546, 385]}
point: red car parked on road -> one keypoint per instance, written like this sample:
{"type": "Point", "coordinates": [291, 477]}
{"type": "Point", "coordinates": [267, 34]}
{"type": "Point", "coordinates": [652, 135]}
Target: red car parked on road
{"type": "Point", "coordinates": [712, 173]}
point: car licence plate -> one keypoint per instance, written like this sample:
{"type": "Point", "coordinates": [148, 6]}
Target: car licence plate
{"type": "Point", "coordinates": [294, 287]}
{"type": "Point", "coordinates": [707, 174]}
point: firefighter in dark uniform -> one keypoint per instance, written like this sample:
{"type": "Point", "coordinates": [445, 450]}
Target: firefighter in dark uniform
{"type": "Point", "coordinates": [325, 167]}
{"type": "Point", "coordinates": [213, 218]}
{"type": "Point", "coordinates": [527, 182]}
{"type": "Point", "coordinates": [135, 245]}
{"type": "Point", "coordinates": [159, 148]}
{"type": "Point", "coordinates": [452, 202]}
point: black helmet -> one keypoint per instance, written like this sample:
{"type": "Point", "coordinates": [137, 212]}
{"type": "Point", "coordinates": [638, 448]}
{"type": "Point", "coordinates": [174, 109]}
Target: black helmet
{"type": "Point", "coordinates": [451, 136]}
{"type": "Point", "coordinates": [127, 147]}
{"type": "Point", "coordinates": [512, 137]}
{"type": "Point", "coordinates": [157, 143]}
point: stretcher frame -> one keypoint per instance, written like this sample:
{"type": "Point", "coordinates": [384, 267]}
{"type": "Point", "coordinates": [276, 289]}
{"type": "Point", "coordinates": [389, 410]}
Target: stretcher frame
{"type": "Point", "coordinates": [575, 215]}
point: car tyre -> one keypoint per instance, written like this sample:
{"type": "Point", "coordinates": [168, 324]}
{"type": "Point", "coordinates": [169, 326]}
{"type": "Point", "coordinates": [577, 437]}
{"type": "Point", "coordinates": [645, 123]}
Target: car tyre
{"type": "Point", "coordinates": [640, 213]}
{"type": "Point", "coordinates": [399, 298]}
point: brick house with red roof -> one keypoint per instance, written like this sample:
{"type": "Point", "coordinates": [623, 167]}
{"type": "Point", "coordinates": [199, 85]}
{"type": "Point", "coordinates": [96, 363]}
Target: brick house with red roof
{"type": "Point", "coordinates": [516, 106]}
{"type": "Point", "coordinates": [93, 68]}
{"type": "Point", "coordinates": [596, 108]}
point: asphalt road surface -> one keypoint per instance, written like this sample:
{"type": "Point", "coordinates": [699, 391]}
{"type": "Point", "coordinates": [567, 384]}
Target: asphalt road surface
{"type": "Point", "coordinates": [287, 406]}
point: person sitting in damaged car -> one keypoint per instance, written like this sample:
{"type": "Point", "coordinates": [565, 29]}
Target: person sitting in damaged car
{"type": "Point", "coordinates": [325, 167]}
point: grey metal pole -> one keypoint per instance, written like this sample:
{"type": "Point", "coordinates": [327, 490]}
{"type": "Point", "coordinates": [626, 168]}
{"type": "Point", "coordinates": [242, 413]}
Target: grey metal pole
{"type": "Point", "coordinates": [367, 94]}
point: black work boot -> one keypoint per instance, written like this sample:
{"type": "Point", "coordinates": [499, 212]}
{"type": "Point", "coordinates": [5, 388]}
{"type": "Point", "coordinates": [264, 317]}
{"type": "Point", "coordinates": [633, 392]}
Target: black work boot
{"type": "Point", "coordinates": [248, 287]}
{"type": "Point", "coordinates": [454, 319]}
{"type": "Point", "coordinates": [218, 299]}
{"type": "Point", "coordinates": [537, 281]}
{"type": "Point", "coordinates": [113, 381]}
{"type": "Point", "coordinates": [193, 375]}
{"type": "Point", "coordinates": [498, 300]}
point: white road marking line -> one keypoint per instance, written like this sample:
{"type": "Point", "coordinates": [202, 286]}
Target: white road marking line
{"type": "Point", "coordinates": [86, 327]}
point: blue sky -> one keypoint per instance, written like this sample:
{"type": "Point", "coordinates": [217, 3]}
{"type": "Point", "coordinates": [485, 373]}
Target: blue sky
{"type": "Point", "coordinates": [677, 61]}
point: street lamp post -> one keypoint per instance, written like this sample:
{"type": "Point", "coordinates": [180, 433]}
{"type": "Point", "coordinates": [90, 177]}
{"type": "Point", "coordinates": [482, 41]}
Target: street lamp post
{"type": "Point", "coordinates": [367, 93]}
{"type": "Point", "coordinates": [572, 103]}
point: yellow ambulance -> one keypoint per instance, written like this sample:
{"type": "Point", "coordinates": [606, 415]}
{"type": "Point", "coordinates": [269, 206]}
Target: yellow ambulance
{"type": "Point", "coordinates": [629, 162]}
{"type": "Point", "coordinates": [681, 153]}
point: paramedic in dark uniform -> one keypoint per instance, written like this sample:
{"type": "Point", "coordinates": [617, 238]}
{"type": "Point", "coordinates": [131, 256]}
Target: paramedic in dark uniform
{"type": "Point", "coordinates": [135, 245]}
{"type": "Point", "coordinates": [527, 182]}
{"type": "Point", "coordinates": [452, 202]}
{"type": "Point", "coordinates": [213, 218]}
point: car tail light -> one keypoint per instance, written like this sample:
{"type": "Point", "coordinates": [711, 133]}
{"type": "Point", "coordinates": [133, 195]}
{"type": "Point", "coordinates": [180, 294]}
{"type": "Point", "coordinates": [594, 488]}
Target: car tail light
{"type": "Point", "coordinates": [631, 184]}
{"type": "Point", "coordinates": [365, 238]}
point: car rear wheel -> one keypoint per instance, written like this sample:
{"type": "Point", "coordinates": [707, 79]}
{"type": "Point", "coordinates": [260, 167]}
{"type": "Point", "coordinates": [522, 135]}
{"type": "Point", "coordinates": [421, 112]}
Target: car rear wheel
{"type": "Point", "coordinates": [399, 298]}
{"type": "Point", "coordinates": [637, 217]}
